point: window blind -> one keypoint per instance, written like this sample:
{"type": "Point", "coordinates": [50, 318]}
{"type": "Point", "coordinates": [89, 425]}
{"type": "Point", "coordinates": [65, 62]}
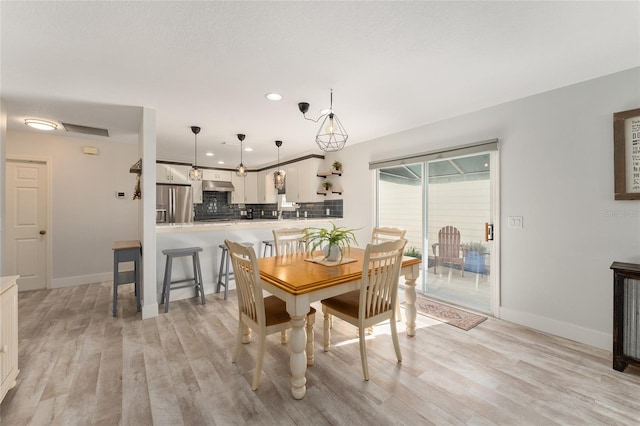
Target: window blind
{"type": "Point", "coordinates": [456, 151]}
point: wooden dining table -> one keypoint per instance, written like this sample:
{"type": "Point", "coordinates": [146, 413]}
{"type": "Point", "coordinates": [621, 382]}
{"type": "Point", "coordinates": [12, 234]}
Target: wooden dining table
{"type": "Point", "coordinates": [299, 282]}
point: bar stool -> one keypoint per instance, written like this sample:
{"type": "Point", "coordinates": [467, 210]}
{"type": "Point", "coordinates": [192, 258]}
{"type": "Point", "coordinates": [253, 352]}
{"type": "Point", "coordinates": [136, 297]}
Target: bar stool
{"type": "Point", "coordinates": [126, 251]}
{"type": "Point", "coordinates": [195, 281]}
{"type": "Point", "coordinates": [224, 269]}
{"type": "Point", "coordinates": [267, 244]}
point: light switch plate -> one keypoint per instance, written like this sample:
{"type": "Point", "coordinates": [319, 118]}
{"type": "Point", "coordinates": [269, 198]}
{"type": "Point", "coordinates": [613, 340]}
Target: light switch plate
{"type": "Point", "coordinates": [515, 222]}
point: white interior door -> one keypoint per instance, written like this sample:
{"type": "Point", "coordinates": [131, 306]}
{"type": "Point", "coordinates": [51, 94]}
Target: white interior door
{"type": "Point", "coordinates": [26, 223]}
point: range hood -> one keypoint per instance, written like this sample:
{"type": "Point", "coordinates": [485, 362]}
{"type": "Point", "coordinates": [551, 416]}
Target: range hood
{"type": "Point", "coordinates": [217, 185]}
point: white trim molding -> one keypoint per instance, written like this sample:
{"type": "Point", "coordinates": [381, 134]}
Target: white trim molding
{"type": "Point", "coordinates": [559, 328]}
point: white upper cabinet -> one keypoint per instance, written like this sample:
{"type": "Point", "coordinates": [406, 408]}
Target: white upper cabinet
{"type": "Point", "coordinates": [196, 189]}
{"type": "Point", "coordinates": [251, 188]}
{"type": "Point", "coordinates": [267, 193]}
{"type": "Point", "coordinates": [172, 173]}
{"type": "Point", "coordinates": [220, 175]}
{"type": "Point", "coordinates": [245, 189]}
{"type": "Point", "coordinates": [302, 180]}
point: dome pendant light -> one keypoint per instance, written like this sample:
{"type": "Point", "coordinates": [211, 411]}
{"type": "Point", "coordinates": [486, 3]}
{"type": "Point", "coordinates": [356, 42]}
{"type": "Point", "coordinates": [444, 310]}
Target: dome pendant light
{"type": "Point", "coordinates": [241, 170]}
{"type": "Point", "coordinates": [195, 173]}
{"type": "Point", "coordinates": [279, 177]}
{"type": "Point", "coordinates": [331, 136]}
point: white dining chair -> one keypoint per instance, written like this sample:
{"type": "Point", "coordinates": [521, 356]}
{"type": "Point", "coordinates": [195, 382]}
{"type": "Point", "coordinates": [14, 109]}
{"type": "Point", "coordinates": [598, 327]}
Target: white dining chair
{"type": "Point", "coordinates": [382, 234]}
{"type": "Point", "coordinates": [263, 315]}
{"type": "Point", "coordinates": [289, 241]}
{"type": "Point", "coordinates": [374, 302]}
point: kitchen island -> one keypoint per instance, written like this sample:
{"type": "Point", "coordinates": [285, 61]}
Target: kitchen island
{"type": "Point", "coordinates": [209, 235]}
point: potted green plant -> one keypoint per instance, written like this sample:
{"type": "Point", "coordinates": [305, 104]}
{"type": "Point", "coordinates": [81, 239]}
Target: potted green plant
{"type": "Point", "coordinates": [327, 186]}
{"type": "Point", "coordinates": [474, 257]}
{"type": "Point", "coordinates": [332, 241]}
{"type": "Point", "coordinates": [337, 166]}
{"type": "Point", "coordinates": [413, 252]}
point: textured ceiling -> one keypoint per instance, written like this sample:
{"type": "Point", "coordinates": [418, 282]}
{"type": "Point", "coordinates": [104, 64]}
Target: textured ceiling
{"type": "Point", "coordinates": [392, 65]}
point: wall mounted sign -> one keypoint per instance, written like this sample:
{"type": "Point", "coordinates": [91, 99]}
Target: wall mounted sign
{"type": "Point", "coordinates": [626, 154]}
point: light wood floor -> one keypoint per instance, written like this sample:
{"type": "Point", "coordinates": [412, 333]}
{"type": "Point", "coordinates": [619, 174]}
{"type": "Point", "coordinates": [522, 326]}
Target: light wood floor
{"type": "Point", "coordinates": [80, 366]}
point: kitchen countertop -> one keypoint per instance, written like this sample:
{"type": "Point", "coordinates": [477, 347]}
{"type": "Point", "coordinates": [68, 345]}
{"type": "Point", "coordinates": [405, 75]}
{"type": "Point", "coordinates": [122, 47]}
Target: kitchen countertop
{"type": "Point", "coordinates": [240, 224]}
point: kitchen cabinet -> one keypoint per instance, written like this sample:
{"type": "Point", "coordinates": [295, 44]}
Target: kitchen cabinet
{"type": "Point", "coordinates": [302, 180]}
{"type": "Point", "coordinates": [251, 188]}
{"type": "Point", "coordinates": [221, 175]}
{"type": "Point", "coordinates": [8, 334]}
{"type": "Point", "coordinates": [196, 190]}
{"type": "Point", "coordinates": [172, 173]}
{"type": "Point", "coordinates": [267, 193]}
{"type": "Point", "coordinates": [245, 189]}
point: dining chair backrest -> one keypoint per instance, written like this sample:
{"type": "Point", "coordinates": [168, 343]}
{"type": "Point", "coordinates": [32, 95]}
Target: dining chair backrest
{"type": "Point", "coordinates": [248, 284]}
{"type": "Point", "coordinates": [382, 234]}
{"type": "Point", "coordinates": [380, 275]}
{"type": "Point", "coordinates": [289, 241]}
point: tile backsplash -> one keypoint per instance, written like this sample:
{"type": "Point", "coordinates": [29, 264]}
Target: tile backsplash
{"type": "Point", "coordinates": [216, 205]}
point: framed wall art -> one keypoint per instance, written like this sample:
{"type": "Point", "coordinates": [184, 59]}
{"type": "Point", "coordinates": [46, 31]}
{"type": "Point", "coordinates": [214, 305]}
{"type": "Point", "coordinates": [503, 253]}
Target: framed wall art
{"type": "Point", "coordinates": [626, 154]}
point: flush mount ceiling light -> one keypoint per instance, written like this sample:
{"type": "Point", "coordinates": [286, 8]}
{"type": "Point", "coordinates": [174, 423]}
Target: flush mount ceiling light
{"type": "Point", "coordinates": [279, 176]}
{"type": "Point", "coordinates": [273, 96]}
{"type": "Point", "coordinates": [40, 124]}
{"type": "Point", "coordinates": [331, 136]}
{"type": "Point", "coordinates": [241, 170]}
{"type": "Point", "coordinates": [195, 173]}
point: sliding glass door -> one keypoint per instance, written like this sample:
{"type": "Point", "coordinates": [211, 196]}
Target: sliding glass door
{"type": "Point", "coordinates": [445, 205]}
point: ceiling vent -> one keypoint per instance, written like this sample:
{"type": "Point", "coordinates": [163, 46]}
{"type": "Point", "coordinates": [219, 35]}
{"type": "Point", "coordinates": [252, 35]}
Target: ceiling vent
{"type": "Point", "coordinates": [76, 128]}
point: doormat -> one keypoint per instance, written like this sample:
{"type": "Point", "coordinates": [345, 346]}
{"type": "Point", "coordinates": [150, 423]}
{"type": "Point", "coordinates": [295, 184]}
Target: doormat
{"type": "Point", "coordinates": [445, 313]}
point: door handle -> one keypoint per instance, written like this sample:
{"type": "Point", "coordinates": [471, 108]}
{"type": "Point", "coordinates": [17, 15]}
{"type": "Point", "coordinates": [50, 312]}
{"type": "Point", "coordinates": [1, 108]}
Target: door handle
{"type": "Point", "coordinates": [488, 231]}
{"type": "Point", "coordinates": [42, 232]}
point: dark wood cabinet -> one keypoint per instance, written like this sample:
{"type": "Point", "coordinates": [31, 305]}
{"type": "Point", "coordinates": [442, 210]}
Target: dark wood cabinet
{"type": "Point", "coordinates": [626, 314]}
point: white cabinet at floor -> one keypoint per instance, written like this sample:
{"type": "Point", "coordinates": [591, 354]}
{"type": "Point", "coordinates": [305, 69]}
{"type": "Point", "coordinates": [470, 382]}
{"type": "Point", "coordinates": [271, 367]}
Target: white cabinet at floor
{"type": "Point", "coordinates": [8, 334]}
{"type": "Point", "coordinates": [221, 175]}
{"type": "Point", "coordinates": [302, 180]}
{"type": "Point", "coordinates": [267, 193]}
{"type": "Point", "coordinates": [172, 173]}
{"type": "Point", "coordinates": [245, 189]}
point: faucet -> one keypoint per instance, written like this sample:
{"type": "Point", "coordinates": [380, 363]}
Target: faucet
{"type": "Point", "coordinates": [280, 214]}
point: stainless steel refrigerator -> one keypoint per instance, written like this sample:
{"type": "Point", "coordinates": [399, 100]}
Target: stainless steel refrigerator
{"type": "Point", "coordinates": [174, 204]}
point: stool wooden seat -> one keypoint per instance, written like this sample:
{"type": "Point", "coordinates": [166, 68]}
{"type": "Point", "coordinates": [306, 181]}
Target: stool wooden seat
{"type": "Point", "coordinates": [224, 270]}
{"type": "Point", "coordinates": [126, 251]}
{"type": "Point", "coordinates": [195, 281]}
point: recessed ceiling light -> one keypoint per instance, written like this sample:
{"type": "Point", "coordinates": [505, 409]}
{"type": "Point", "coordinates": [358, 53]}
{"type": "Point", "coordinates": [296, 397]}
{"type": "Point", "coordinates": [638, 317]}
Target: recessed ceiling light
{"type": "Point", "coordinates": [40, 124]}
{"type": "Point", "coordinates": [248, 149]}
{"type": "Point", "coordinates": [273, 96]}
{"type": "Point", "coordinates": [209, 154]}
{"type": "Point", "coordinates": [220, 162]}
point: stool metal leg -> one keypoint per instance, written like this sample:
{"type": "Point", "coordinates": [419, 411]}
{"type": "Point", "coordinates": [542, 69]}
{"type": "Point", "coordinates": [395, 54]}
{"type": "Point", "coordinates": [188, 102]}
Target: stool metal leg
{"type": "Point", "coordinates": [115, 286]}
{"type": "Point", "coordinates": [167, 284]}
{"type": "Point", "coordinates": [222, 259]}
{"type": "Point", "coordinates": [137, 285]}
{"type": "Point", "coordinates": [198, 276]}
{"type": "Point", "coordinates": [196, 283]}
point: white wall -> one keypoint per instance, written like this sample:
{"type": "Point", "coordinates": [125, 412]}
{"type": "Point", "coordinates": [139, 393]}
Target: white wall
{"type": "Point", "coordinates": [86, 216]}
{"type": "Point", "coordinates": [3, 139]}
{"type": "Point", "coordinates": [556, 153]}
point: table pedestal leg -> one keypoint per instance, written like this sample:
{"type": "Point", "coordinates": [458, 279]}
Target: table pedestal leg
{"type": "Point", "coordinates": [298, 360]}
{"type": "Point", "coordinates": [410, 298]}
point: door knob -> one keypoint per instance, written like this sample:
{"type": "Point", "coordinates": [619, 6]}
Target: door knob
{"type": "Point", "coordinates": [42, 232]}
